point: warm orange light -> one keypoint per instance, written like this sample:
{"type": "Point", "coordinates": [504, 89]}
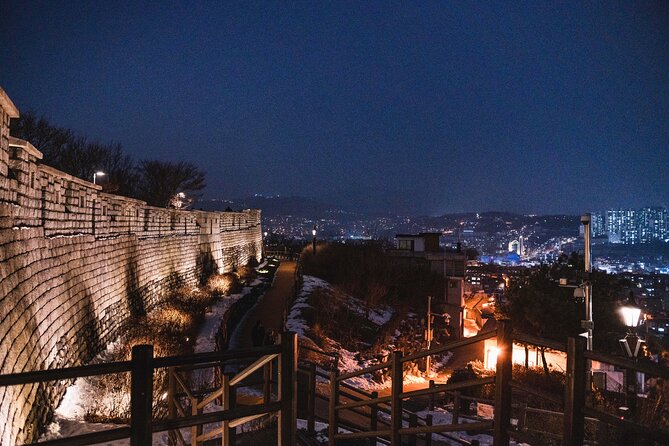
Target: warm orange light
{"type": "Point", "coordinates": [491, 358]}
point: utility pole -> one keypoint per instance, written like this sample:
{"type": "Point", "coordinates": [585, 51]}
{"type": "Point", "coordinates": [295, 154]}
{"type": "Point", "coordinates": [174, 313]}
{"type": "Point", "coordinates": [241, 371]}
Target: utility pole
{"type": "Point", "coordinates": [428, 334]}
{"type": "Point", "coordinates": [588, 323]}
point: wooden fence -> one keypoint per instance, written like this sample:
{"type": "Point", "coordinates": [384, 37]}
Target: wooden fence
{"type": "Point", "coordinates": [343, 397]}
{"type": "Point", "coordinates": [142, 367]}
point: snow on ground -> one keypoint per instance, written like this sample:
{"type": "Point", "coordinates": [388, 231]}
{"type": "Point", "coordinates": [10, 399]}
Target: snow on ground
{"type": "Point", "coordinates": [206, 338]}
{"type": "Point", "coordinates": [442, 416]}
{"type": "Point", "coordinates": [348, 360]}
{"type": "Point", "coordinates": [320, 428]}
{"type": "Point", "coordinates": [69, 416]}
{"type": "Point", "coordinates": [379, 316]}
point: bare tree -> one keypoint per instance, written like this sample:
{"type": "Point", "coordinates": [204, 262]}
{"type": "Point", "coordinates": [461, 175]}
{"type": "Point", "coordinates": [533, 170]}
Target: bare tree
{"type": "Point", "coordinates": [161, 181]}
{"type": "Point", "coordinates": [74, 154]}
{"type": "Point", "coordinates": [48, 138]}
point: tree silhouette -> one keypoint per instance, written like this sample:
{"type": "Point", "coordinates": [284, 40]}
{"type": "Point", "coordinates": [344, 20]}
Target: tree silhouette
{"type": "Point", "coordinates": [538, 305]}
{"type": "Point", "coordinates": [161, 181]}
{"type": "Point", "coordinates": [66, 151]}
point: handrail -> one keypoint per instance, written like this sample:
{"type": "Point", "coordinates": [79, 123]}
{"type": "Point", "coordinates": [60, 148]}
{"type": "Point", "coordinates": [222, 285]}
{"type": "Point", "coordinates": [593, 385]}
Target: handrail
{"type": "Point", "coordinates": [480, 426]}
{"type": "Point", "coordinates": [645, 367]}
{"type": "Point", "coordinates": [447, 387]}
{"type": "Point", "coordinates": [450, 346]}
{"type": "Point", "coordinates": [257, 364]}
{"type": "Point", "coordinates": [369, 369]}
{"type": "Point", "coordinates": [351, 405]}
{"type": "Point", "coordinates": [174, 361]}
{"type": "Point", "coordinates": [540, 342]}
{"type": "Point", "coordinates": [644, 431]}
{"type": "Point", "coordinates": [13, 379]}
{"type": "Point", "coordinates": [215, 417]}
{"type": "Point", "coordinates": [210, 398]}
{"type": "Point", "coordinates": [119, 433]}
{"type": "Point", "coordinates": [363, 434]}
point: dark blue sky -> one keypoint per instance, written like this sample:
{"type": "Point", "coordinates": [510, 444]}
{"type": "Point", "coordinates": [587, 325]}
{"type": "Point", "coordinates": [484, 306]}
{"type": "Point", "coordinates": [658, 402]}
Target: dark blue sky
{"type": "Point", "coordinates": [442, 107]}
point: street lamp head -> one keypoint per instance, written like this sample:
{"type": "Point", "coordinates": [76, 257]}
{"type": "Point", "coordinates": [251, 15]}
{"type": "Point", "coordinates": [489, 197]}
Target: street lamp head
{"type": "Point", "coordinates": [631, 315]}
{"type": "Point", "coordinates": [313, 232]}
{"type": "Point", "coordinates": [100, 173]}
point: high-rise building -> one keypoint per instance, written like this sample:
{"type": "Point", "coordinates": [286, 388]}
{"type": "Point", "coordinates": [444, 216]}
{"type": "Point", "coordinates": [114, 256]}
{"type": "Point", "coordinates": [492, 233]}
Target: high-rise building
{"type": "Point", "coordinates": [621, 226]}
{"type": "Point", "coordinates": [652, 224]}
{"type": "Point", "coordinates": [598, 224]}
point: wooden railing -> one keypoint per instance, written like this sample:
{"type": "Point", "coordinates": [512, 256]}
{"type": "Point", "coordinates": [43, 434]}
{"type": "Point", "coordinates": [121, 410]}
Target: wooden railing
{"type": "Point", "coordinates": [346, 397]}
{"type": "Point", "coordinates": [142, 367]}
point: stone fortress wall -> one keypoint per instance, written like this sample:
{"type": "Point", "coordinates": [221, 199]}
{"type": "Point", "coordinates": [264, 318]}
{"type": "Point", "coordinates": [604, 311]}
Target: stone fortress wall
{"type": "Point", "coordinates": [77, 263]}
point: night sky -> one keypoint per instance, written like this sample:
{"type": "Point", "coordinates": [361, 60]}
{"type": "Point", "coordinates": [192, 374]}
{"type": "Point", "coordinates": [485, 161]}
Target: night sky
{"type": "Point", "coordinates": [426, 107]}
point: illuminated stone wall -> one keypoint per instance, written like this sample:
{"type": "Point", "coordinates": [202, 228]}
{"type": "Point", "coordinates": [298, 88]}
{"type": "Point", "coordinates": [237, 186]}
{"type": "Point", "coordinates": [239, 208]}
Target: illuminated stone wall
{"type": "Point", "coordinates": [76, 264]}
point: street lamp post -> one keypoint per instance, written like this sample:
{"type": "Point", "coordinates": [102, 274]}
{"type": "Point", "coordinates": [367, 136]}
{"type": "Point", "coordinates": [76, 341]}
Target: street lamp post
{"type": "Point", "coordinates": [313, 240]}
{"type": "Point", "coordinates": [631, 345]}
{"type": "Point", "coordinates": [96, 175]}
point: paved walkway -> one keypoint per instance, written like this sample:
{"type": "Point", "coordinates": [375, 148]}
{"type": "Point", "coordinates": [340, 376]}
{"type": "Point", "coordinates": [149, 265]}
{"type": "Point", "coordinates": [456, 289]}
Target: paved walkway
{"type": "Point", "coordinates": [270, 310]}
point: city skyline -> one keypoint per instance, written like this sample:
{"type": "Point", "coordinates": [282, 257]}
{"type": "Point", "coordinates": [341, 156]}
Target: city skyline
{"type": "Point", "coordinates": [431, 109]}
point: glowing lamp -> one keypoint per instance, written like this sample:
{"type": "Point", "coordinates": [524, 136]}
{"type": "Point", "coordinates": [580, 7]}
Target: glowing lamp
{"type": "Point", "coordinates": [98, 174]}
{"type": "Point", "coordinates": [631, 315]}
{"type": "Point", "coordinates": [631, 344]}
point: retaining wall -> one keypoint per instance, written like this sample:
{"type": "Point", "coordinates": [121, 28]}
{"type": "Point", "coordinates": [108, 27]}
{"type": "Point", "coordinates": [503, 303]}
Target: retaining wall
{"type": "Point", "coordinates": [76, 264]}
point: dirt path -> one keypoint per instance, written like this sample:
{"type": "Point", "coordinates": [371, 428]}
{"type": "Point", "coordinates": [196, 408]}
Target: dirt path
{"type": "Point", "coordinates": [270, 309]}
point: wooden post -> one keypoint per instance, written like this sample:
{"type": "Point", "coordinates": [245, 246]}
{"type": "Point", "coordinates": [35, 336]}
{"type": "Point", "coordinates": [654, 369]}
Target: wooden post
{"type": "Point", "coordinates": [141, 394]}
{"type": "Point", "coordinates": [311, 403]}
{"type": "Point", "coordinates": [413, 422]}
{"type": "Point", "coordinates": [373, 418]}
{"type": "Point", "coordinates": [171, 405]}
{"type": "Point", "coordinates": [288, 389]}
{"type": "Point", "coordinates": [334, 401]}
{"type": "Point", "coordinates": [428, 436]}
{"type": "Point", "coordinates": [522, 416]}
{"type": "Point", "coordinates": [231, 403]}
{"type": "Point", "coordinates": [267, 383]}
{"type": "Point", "coordinates": [503, 383]}
{"type": "Point", "coordinates": [431, 395]}
{"type": "Point", "coordinates": [225, 397]}
{"type": "Point", "coordinates": [574, 393]}
{"type": "Point", "coordinates": [455, 415]}
{"type": "Point", "coordinates": [195, 431]}
{"type": "Point", "coordinates": [397, 387]}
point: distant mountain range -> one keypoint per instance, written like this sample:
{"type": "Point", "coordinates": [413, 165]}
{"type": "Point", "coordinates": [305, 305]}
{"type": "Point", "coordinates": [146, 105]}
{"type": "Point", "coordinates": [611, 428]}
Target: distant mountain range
{"type": "Point", "coordinates": [270, 206]}
{"type": "Point", "coordinates": [314, 208]}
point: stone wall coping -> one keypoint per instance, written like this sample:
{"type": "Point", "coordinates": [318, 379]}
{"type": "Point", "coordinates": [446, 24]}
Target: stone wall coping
{"type": "Point", "coordinates": [25, 145]}
{"type": "Point", "coordinates": [59, 173]}
{"type": "Point", "coordinates": [7, 105]}
{"type": "Point", "coordinates": [123, 198]}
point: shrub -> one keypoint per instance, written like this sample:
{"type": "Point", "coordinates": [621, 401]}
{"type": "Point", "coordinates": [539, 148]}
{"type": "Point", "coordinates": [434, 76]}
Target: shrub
{"type": "Point", "coordinates": [193, 296]}
{"type": "Point", "coordinates": [224, 284]}
{"type": "Point", "coordinates": [246, 274]}
{"type": "Point", "coordinates": [171, 319]}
